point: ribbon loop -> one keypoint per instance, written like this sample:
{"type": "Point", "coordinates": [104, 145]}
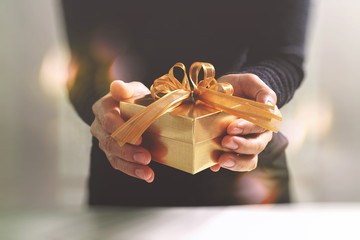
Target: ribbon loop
{"type": "Point", "coordinates": [209, 74]}
{"type": "Point", "coordinates": [168, 83]}
{"type": "Point", "coordinates": [169, 93]}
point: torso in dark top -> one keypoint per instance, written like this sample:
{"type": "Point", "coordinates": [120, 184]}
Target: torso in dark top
{"type": "Point", "coordinates": [147, 38]}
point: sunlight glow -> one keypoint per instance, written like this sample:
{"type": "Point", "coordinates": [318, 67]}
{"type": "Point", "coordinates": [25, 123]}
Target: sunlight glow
{"type": "Point", "coordinates": [312, 120]}
{"type": "Point", "coordinates": [55, 72]}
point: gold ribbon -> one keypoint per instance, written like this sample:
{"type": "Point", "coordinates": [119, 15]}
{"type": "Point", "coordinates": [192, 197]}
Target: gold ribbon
{"type": "Point", "coordinates": [169, 93]}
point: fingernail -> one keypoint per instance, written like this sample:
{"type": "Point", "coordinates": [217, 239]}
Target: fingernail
{"type": "Point", "coordinates": [237, 131]}
{"type": "Point", "coordinates": [150, 179]}
{"type": "Point", "coordinates": [140, 173]}
{"type": "Point", "coordinates": [269, 102]}
{"type": "Point", "coordinates": [231, 145]}
{"type": "Point", "coordinates": [140, 158]}
{"type": "Point", "coordinates": [229, 163]}
{"type": "Point", "coordinates": [138, 142]}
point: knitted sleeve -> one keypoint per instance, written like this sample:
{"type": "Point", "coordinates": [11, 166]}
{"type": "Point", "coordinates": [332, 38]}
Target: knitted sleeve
{"type": "Point", "coordinates": [276, 51]}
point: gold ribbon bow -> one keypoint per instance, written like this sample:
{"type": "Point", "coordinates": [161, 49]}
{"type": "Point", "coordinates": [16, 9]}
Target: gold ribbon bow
{"type": "Point", "coordinates": [169, 93]}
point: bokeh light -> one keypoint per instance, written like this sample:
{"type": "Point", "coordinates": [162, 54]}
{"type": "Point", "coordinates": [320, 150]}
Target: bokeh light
{"type": "Point", "coordinates": [57, 71]}
{"type": "Point", "coordinates": [311, 120]}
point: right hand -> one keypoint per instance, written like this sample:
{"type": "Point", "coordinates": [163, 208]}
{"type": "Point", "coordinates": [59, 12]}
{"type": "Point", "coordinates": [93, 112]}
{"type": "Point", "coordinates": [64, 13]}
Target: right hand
{"type": "Point", "coordinates": [129, 159]}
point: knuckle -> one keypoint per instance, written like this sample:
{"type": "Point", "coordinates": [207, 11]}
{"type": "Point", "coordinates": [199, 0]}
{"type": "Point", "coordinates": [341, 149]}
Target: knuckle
{"type": "Point", "coordinates": [259, 147]}
{"type": "Point", "coordinates": [121, 165]}
{"type": "Point", "coordinates": [113, 162]}
{"type": "Point", "coordinates": [241, 149]}
{"type": "Point", "coordinates": [107, 122]}
{"type": "Point", "coordinates": [124, 152]}
{"type": "Point", "coordinates": [273, 94]}
{"type": "Point", "coordinates": [263, 91]}
{"type": "Point", "coordinates": [102, 146]}
{"type": "Point", "coordinates": [252, 77]}
{"type": "Point", "coordinates": [246, 164]}
{"type": "Point", "coordinates": [240, 166]}
{"type": "Point", "coordinates": [108, 144]}
{"type": "Point", "coordinates": [92, 129]}
{"type": "Point", "coordinates": [94, 108]}
{"type": "Point", "coordinates": [242, 144]}
{"type": "Point", "coordinates": [253, 163]}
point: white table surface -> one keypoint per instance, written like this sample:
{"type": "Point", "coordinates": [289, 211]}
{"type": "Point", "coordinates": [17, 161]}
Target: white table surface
{"type": "Point", "coordinates": [297, 221]}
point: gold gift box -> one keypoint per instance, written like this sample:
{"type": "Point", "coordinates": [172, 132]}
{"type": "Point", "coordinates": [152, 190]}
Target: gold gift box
{"type": "Point", "coordinates": [188, 138]}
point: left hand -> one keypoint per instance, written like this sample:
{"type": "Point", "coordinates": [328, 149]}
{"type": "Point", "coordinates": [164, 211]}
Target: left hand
{"type": "Point", "coordinates": [245, 139]}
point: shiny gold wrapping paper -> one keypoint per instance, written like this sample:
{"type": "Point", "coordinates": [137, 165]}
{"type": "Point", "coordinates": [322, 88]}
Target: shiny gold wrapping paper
{"type": "Point", "coordinates": [188, 138]}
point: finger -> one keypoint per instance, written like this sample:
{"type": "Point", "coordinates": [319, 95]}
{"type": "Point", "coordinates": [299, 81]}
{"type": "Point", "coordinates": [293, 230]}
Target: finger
{"type": "Point", "coordinates": [111, 121]}
{"type": "Point", "coordinates": [253, 144]}
{"type": "Point", "coordinates": [104, 105]}
{"type": "Point", "coordinates": [127, 152]}
{"type": "Point", "coordinates": [239, 163]}
{"type": "Point", "coordinates": [140, 89]}
{"type": "Point", "coordinates": [250, 86]}
{"type": "Point", "coordinates": [243, 127]}
{"type": "Point", "coordinates": [132, 169]}
{"type": "Point", "coordinates": [121, 90]}
{"type": "Point", "coordinates": [215, 168]}
{"type": "Point", "coordinates": [107, 112]}
{"type": "Point", "coordinates": [266, 95]}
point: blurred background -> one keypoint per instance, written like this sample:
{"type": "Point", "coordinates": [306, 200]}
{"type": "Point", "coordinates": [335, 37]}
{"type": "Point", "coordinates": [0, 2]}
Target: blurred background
{"type": "Point", "coordinates": [45, 147]}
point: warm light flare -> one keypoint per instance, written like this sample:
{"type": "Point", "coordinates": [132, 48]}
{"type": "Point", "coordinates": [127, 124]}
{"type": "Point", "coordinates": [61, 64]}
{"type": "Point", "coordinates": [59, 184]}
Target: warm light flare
{"type": "Point", "coordinates": [312, 120]}
{"type": "Point", "coordinates": [319, 116]}
{"type": "Point", "coordinates": [72, 69]}
{"type": "Point", "coordinates": [257, 187]}
{"type": "Point", "coordinates": [55, 73]}
{"type": "Point", "coordinates": [112, 71]}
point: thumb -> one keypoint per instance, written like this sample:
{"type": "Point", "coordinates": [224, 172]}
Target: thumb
{"type": "Point", "coordinates": [268, 96]}
{"type": "Point", "coordinates": [121, 90]}
{"type": "Point", "coordinates": [250, 86]}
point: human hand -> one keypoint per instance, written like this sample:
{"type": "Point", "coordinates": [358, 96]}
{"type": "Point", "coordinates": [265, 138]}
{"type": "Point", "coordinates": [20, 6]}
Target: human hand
{"type": "Point", "coordinates": [245, 139]}
{"type": "Point", "coordinates": [129, 159]}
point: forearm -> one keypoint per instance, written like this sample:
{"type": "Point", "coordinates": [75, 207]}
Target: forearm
{"type": "Point", "coordinates": [277, 46]}
{"type": "Point", "coordinates": [283, 74]}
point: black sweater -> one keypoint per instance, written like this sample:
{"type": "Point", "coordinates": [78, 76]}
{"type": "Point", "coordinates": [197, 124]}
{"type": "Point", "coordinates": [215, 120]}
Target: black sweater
{"type": "Point", "coordinates": [264, 37]}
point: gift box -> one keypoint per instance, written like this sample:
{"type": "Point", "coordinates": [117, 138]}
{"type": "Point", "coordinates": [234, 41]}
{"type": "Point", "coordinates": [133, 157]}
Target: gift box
{"type": "Point", "coordinates": [188, 138]}
{"type": "Point", "coordinates": [182, 123]}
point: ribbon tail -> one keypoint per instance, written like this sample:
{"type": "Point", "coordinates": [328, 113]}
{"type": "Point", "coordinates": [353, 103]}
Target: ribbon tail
{"type": "Point", "coordinates": [131, 131]}
{"type": "Point", "coordinates": [260, 114]}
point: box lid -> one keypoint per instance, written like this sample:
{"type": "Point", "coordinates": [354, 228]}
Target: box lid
{"type": "Point", "coordinates": [189, 122]}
